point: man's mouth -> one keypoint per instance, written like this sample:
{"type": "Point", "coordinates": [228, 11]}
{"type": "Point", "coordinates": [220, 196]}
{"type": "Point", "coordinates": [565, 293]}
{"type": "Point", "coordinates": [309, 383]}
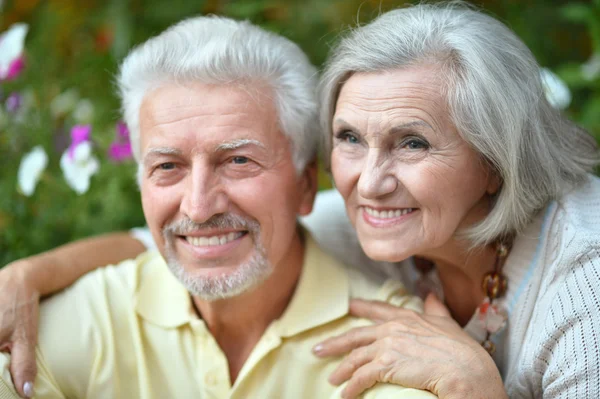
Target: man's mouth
{"type": "Point", "coordinates": [211, 241]}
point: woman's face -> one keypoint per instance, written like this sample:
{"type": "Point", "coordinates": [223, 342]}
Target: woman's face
{"type": "Point", "coordinates": [409, 180]}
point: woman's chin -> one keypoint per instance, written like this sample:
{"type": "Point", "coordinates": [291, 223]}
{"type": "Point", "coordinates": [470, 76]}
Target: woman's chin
{"type": "Point", "coordinates": [386, 251]}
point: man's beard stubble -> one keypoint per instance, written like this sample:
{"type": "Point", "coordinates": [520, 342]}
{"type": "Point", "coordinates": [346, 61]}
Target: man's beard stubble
{"type": "Point", "coordinates": [246, 276]}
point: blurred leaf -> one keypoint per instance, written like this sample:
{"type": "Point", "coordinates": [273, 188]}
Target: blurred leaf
{"type": "Point", "coordinates": [571, 74]}
{"type": "Point", "coordinates": [577, 12]}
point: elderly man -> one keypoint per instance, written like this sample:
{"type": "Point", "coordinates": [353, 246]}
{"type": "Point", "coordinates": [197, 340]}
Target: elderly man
{"type": "Point", "coordinates": [222, 117]}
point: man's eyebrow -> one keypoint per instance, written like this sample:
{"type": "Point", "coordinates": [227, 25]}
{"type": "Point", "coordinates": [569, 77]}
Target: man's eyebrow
{"type": "Point", "coordinates": [239, 143]}
{"type": "Point", "coordinates": [161, 151]}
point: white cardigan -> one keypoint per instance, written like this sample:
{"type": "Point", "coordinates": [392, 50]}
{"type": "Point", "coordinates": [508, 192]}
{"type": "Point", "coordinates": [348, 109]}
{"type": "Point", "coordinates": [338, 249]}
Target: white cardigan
{"type": "Point", "coordinates": [551, 347]}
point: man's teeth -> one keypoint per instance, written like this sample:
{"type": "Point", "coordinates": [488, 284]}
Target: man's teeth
{"type": "Point", "coordinates": [214, 240]}
{"type": "Point", "coordinates": [388, 214]}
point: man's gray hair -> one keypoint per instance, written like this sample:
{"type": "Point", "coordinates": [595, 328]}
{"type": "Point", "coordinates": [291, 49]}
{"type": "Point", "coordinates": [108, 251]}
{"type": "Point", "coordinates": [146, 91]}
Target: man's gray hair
{"type": "Point", "coordinates": [217, 50]}
{"type": "Point", "coordinates": [493, 89]}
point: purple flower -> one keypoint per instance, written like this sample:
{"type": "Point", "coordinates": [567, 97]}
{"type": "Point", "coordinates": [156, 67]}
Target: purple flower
{"type": "Point", "coordinates": [13, 102]}
{"type": "Point", "coordinates": [79, 134]}
{"type": "Point", "coordinates": [122, 130]}
{"type": "Point", "coordinates": [120, 149]}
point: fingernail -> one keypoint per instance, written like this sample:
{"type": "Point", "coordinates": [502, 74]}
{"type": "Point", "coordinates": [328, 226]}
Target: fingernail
{"type": "Point", "coordinates": [318, 348]}
{"type": "Point", "coordinates": [28, 389]}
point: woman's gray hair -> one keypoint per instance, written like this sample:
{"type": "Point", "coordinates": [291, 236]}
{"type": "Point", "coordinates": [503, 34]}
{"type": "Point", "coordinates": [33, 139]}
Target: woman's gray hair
{"type": "Point", "coordinates": [495, 97]}
{"type": "Point", "coordinates": [217, 50]}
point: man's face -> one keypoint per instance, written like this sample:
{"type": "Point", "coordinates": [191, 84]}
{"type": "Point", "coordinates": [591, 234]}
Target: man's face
{"type": "Point", "coordinates": [219, 189]}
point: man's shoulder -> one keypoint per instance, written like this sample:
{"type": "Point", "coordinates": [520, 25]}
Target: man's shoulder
{"type": "Point", "coordinates": [391, 291]}
{"type": "Point", "coordinates": [96, 287]}
{"type": "Point", "coordinates": [363, 286]}
{"type": "Point", "coordinates": [79, 326]}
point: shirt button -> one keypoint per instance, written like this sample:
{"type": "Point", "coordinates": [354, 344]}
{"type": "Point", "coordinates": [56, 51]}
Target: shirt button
{"type": "Point", "coordinates": [210, 379]}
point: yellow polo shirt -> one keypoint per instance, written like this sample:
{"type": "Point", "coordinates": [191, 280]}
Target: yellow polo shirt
{"type": "Point", "coordinates": [130, 331]}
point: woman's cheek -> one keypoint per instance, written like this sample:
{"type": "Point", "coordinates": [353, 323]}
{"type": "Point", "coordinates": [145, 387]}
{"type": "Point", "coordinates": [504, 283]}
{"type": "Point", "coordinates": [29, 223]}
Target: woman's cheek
{"type": "Point", "coordinates": [346, 172]}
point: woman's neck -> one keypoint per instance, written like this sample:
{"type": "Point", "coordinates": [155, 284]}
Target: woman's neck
{"type": "Point", "coordinates": [461, 273]}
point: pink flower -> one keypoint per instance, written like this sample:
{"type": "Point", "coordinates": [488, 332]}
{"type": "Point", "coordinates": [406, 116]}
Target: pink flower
{"type": "Point", "coordinates": [12, 44]}
{"type": "Point", "coordinates": [120, 149]}
{"type": "Point", "coordinates": [122, 130]}
{"type": "Point", "coordinates": [79, 134]}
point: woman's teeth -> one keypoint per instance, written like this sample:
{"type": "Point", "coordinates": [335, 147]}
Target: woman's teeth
{"type": "Point", "coordinates": [388, 214]}
{"type": "Point", "coordinates": [214, 240]}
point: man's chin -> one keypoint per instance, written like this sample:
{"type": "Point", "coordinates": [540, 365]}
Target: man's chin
{"type": "Point", "coordinates": [220, 281]}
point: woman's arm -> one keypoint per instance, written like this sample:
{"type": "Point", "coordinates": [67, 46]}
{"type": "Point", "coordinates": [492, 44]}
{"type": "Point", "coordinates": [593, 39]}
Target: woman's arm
{"type": "Point", "coordinates": [24, 281]}
{"type": "Point", "coordinates": [56, 269]}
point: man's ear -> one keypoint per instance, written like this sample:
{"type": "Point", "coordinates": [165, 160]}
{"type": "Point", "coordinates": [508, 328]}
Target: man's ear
{"type": "Point", "coordinates": [308, 188]}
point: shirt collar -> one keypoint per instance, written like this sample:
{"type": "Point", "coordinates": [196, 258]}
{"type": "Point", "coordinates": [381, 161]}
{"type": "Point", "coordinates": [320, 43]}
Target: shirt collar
{"type": "Point", "coordinates": [161, 299]}
{"type": "Point", "coordinates": [321, 295]}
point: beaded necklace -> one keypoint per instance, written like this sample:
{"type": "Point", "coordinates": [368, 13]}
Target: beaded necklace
{"type": "Point", "coordinates": [490, 315]}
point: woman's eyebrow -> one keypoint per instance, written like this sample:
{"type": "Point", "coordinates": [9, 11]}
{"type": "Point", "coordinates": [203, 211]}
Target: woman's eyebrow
{"type": "Point", "coordinates": [407, 126]}
{"type": "Point", "coordinates": [343, 124]}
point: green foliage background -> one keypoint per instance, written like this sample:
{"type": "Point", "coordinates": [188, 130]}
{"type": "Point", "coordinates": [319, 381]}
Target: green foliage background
{"type": "Point", "coordinates": [76, 44]}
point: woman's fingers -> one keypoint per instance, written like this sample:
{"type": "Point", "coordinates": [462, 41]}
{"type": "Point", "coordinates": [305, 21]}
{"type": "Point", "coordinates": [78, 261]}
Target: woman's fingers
{"type": "Point", "coordinates": [355, 360]}
{"type": "Point", "coordinates": [364, 378]}
{"type": "Point", "coordinates": [376, 311]}
{"type": "Point", "coordinates": [357, 337]}
{"type": "Point", "coordinates": [434, 307]}
{"type": "Point", "coordinates": [23, 366]}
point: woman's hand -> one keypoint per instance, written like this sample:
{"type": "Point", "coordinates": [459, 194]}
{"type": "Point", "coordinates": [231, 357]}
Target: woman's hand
{"type": "Point", "coordinates": [19, 311]}
{"type": "Point", "coordinates": [427, 351]}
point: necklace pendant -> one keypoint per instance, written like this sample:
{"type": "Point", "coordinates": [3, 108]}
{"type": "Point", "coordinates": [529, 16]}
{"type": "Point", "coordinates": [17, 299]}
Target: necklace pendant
{"type": "Point", "coordinates": [491, 317]}
{"type": "Point", "coordinates": [489, 346]}
{"type": "Point", "coordinates": [494, 285]}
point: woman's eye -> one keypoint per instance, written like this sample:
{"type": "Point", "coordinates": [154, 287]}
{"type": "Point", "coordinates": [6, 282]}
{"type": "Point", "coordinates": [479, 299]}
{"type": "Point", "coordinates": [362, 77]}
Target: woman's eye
{"type": "Point", "coordinates": [348, 137]}
{"type": "Point", "coordinates": [239, 160]}
{"type": "Point", "coordinates": [414, 144]}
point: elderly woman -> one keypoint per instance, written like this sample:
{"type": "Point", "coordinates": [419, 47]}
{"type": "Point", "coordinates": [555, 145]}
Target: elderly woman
{"type": "Point", "coordinates": [443, 146]}
{"type": "Point", "coordinates": [445, 150]}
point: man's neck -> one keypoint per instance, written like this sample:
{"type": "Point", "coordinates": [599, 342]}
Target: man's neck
{"type": "Point", "coordinates": [238, 323]}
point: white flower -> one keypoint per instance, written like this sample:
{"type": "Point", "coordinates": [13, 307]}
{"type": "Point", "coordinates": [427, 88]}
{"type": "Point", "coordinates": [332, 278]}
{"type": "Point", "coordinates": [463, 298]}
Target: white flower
{"type": "Point", "coordinates": [84, 112]}
{"type": "Point", "coordinates": [30, 170]}
{"type": "Point", "coordinates": [79, 168]}
{"type": "Point", "coordinates": [591, 68]}
{"type": "Point", "coordinates": [557, 92]}
{"type": "Point", "coordinates": [12, 43]}
{"type": "Point", "coordinates": [64, 103]}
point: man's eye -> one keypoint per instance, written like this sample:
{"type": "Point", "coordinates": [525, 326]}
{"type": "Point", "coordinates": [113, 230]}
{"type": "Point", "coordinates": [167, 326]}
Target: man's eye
{"type": "Point", "coordinates": [348, 137]}
{"type": "Point", "coordinates": [167, 166]}
{"type": "Point", "coordinates": [239, 160]}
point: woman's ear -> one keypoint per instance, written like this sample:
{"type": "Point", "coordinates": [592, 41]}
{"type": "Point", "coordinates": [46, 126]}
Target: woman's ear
{"type": "Point", "coordinates": [308, 188]}
{"type": "Point", "coordinates": [494, 183]}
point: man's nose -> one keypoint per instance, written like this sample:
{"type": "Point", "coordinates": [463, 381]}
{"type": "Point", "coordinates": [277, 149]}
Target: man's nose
{"type": "Point", "coordinates": [204, 194]}
{"type": "Point", "coordinates": [377, 178]}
